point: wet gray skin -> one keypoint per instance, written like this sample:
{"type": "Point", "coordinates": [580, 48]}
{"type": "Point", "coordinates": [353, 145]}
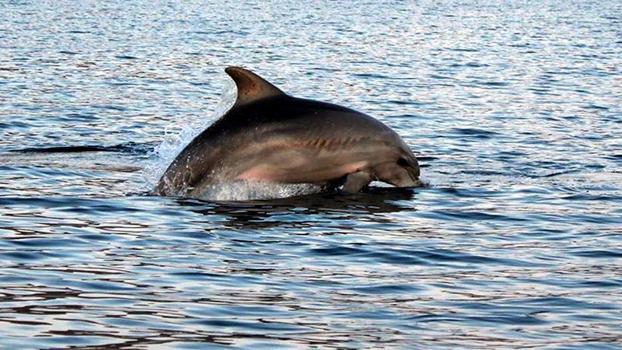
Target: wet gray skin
{"type": "Point", "coordinates": [268, 136]}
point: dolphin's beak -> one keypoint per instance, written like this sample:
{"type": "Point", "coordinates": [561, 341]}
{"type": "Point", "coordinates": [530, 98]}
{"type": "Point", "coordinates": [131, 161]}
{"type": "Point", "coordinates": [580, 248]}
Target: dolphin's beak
{"type": "Point", "coordinates": [414, 172]}
{"type": "Point", "coordinates": [415, 181]}
{"type": "Point", "coordinates": [409, 178]}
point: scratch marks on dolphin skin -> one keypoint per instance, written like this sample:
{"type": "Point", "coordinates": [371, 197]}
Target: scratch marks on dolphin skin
{"type": "Point", "coordinates": [324, 143]}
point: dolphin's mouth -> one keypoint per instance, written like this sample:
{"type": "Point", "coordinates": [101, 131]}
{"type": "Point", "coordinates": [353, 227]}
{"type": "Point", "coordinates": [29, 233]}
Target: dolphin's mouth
{"type": "Point", "coordinates": [412, 182]}
{"type": "Point", "coordinates": [418, 183]}
{"type": "Point", "coordinates": [413, 173]}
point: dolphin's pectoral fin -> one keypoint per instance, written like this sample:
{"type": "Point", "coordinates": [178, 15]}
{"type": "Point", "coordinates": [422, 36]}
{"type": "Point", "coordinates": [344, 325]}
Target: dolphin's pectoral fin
{"type": "Point", "coordinates": [251, 87]}
{"type": "Point", "coordinates": [356, 181]}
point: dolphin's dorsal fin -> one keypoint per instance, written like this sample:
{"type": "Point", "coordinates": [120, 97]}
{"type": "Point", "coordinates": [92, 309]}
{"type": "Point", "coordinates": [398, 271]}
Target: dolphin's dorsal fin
{"type": "Point", "coordinates": [251, 87]}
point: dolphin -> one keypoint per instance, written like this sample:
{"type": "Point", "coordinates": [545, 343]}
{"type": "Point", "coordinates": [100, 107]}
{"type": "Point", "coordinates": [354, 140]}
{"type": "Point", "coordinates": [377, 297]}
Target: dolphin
{"type": "Point", "coordinates": [269, 136]}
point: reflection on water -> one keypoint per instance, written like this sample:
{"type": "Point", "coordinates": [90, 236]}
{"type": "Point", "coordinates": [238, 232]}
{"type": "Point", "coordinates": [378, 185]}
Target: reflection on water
{"type": "Point", "coordinates": [284, 212]}
{"type": "Point", "coordinates": [513, 109]}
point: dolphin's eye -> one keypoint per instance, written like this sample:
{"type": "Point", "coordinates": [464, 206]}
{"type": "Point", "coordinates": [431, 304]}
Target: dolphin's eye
{"type": "Point", "coordinates": [402, 162]}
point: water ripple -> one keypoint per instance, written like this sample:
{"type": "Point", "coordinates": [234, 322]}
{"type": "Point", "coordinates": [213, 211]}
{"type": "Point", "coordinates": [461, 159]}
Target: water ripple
{"type": "Point", "coordinates": [513, 110]}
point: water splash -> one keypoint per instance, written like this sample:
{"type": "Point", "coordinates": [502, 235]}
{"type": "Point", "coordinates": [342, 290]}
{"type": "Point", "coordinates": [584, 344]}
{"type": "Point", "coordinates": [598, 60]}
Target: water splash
{"type": "Point", "coordinates": [251, 190]}
{"type": "Point", "coordinates": [174, 143]}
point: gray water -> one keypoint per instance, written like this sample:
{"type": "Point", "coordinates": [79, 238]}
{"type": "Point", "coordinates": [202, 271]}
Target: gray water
{"type": "Point", "coordinates": [513, 107]}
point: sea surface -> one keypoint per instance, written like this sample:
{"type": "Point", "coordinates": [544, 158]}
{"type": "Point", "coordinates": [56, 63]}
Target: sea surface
{"type": "Point", "coordinates": [514, 109]}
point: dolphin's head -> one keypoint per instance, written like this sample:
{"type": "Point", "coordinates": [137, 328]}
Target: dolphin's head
{"type": "Point", "coordinates": [411, 166]}
{"type": "Point", "coordinates": [401, 170]}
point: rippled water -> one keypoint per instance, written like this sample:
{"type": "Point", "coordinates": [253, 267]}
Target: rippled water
{"type": "Point", "coordinates": [514, 108]}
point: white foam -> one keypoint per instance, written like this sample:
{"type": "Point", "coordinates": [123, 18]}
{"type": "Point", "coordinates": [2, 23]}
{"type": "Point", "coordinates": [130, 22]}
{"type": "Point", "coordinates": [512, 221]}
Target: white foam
{"type": "Point", "coordinates": [250, 190]}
